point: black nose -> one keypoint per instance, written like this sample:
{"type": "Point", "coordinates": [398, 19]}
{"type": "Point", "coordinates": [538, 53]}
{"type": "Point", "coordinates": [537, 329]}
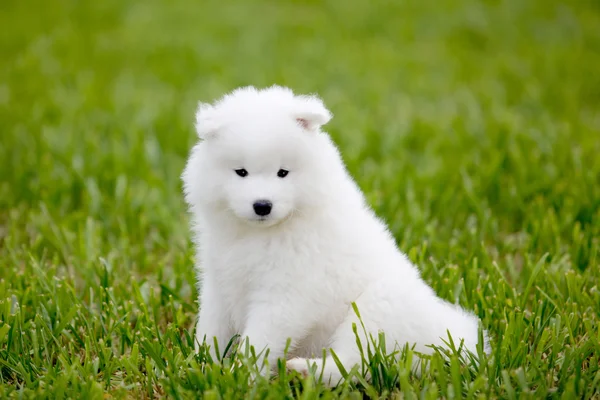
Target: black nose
{"type": "Point", "coordinates": [262, 207]}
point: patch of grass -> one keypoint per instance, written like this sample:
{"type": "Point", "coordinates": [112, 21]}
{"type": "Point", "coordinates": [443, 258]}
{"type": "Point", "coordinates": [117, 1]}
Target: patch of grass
{"type": "Point", "coordinates": [472, 126]}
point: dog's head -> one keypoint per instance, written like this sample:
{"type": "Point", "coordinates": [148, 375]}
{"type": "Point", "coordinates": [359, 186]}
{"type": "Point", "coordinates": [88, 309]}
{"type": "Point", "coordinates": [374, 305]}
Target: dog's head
{"type": "Point", "coordinates": [259, 158]}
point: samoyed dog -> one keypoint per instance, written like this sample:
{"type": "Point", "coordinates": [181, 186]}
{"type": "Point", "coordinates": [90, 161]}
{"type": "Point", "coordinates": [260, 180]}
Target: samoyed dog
{"type": "Point", "coordinates": [287, 244]}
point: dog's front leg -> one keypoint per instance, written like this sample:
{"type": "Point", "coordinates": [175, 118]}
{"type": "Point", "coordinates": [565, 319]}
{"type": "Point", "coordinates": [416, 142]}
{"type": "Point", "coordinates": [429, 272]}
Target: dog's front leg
{"type": "Point", "coordinates": [268, 328]}
{"type": "Point", "coordinates": [213, 323]}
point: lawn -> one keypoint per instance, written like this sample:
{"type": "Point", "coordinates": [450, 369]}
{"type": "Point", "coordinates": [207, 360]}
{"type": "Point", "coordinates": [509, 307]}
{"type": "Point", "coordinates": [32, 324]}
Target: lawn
{"type": "Point", "coordinates": [472, 126]}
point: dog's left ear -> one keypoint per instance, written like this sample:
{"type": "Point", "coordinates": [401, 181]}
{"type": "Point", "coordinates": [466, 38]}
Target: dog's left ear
{"type": "Point", "coordinates": [206, 121]}
{"type": "Point", "coordinates": [311, 113]}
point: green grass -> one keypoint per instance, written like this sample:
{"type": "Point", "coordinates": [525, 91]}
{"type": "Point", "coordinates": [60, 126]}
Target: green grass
{"type": "Point", "coordinates": [472, 126]}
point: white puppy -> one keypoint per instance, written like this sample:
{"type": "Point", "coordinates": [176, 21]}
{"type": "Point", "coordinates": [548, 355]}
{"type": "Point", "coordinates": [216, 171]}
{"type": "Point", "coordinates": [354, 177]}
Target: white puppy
{"type": "Point", "coordinates": [286, 241]}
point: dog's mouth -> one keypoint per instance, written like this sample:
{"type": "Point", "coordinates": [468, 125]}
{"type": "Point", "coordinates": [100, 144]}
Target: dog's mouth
{"type": "Point", "coordinates": [259, 220]}
{"type": "Point", "coordinates": [266, 221]}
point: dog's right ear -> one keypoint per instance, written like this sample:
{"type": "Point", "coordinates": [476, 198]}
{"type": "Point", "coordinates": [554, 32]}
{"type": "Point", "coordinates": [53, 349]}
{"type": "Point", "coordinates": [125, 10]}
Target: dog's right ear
{"type": "Point", "coordinates": [311, 113]}
{"type": "Point", "coordinates": [206, 123]}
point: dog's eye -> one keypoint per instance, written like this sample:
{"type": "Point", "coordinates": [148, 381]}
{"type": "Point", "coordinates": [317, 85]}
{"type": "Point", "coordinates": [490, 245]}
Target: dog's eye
{"type": "Point", "coordinates": [282, 173]}
{"type": "Point", "coordinates": [241, 172]}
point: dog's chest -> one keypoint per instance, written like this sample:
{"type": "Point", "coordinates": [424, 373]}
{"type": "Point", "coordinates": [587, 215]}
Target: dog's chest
{"type": "Point", "coordinates": [301, 278]}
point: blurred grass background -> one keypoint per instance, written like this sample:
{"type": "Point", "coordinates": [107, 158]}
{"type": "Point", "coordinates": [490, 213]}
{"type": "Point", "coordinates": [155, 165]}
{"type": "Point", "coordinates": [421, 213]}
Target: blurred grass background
{"type": "Point", "coordinates": [472, 126]}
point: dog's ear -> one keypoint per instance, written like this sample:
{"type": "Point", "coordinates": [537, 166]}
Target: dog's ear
{"type": "Point", "coordinates": [311, 113]}
{"type": "Point", "coordinates": [206, 121]}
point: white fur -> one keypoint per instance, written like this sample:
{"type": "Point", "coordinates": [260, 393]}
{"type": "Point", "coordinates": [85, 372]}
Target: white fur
{"type": "Point", "coordinates": [296, 273]}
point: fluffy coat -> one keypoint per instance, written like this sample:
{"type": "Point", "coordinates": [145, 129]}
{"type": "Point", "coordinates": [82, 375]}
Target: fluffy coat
{"type": "Point", "coordinates": [295, 272]}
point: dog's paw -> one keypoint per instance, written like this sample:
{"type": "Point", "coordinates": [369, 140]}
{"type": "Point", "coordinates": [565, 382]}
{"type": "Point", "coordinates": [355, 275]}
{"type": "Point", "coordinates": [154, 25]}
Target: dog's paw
{"type": "Point", "coordinates": [299, 365]}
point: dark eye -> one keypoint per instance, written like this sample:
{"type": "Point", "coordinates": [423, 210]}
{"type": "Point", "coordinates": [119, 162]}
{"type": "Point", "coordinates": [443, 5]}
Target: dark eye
{"type": "Point", "coordinates": [241, 172]}
{"type": "Point", "coordinates": [282, 173]}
